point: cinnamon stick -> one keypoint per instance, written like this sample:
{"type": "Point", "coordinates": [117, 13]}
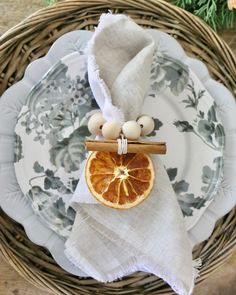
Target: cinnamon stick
{"type": "Point", "coordinates": [148, 147]}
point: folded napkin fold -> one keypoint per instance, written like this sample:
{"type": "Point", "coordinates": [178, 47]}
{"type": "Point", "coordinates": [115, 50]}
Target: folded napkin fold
{"type": "Point", "coordinates": [106, 243]}
{"type": "Point", "coordinates": [119, 61]}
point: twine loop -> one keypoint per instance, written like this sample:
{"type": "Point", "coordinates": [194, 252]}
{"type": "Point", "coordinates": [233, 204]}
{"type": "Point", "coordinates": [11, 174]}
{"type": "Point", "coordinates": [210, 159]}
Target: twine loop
{"type": "Point", "coordinates": [122, 145]}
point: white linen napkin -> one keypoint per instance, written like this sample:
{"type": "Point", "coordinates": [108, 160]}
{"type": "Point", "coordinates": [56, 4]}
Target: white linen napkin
{"type": "Point", "coordinates": [106, 243]}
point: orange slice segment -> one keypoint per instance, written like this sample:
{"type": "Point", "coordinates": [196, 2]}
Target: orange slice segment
{"type": "Point", "coordinates": [119, 181]}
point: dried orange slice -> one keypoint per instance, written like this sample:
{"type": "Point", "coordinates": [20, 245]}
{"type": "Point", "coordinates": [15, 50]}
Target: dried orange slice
{"type": "Point", "coordinates": [119, 181]}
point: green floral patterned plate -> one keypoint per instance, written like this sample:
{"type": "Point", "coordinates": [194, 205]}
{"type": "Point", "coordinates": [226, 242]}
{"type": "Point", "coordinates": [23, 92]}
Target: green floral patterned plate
{"type": "Point", "coordinates": [52, 126]}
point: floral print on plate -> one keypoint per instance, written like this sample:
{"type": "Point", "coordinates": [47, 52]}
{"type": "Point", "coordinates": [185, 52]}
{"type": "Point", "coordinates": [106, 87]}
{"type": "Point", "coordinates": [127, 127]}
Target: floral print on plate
{"type": "Point", "coordinates": [52, 126]}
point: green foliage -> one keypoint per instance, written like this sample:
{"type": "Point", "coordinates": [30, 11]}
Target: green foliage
{"type": "Point", "coordinates": [50, 2]}
{"type": "Point", "coordinates": [213, 12]}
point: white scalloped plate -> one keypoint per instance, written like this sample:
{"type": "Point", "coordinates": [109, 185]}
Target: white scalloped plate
{"type": "Point", "coordinates": [71, 42]}
{"type": "Point", "coordinates": [46, 128]}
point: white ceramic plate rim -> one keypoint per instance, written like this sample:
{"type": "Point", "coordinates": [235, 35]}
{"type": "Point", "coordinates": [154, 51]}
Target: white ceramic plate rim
{"type": "Point", "coordinates": [72, 42]}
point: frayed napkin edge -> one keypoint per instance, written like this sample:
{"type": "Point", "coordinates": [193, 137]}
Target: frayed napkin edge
{"type": "Point", "coordinates": [131, 267]}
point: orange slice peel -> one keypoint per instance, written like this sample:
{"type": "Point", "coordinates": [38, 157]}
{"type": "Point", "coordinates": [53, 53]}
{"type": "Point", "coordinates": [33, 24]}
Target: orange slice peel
{"type": "Point", "coordinates": [119, 181]}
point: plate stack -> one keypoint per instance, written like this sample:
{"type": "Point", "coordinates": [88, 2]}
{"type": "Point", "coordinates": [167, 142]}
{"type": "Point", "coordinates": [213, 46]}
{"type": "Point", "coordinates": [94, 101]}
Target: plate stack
{"type": "Point", "coordinates": [41, 113]}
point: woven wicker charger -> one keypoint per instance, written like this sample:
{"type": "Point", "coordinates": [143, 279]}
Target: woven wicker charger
{"type": "Point", "coordinates": [30, 40]}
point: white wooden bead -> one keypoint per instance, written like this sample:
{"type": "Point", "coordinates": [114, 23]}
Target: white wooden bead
{"type": "Point", "coordinates": [147, 124]}
{"type": "Point", "coordinates": [111, 130]}
{"type": "Point", "coordinates": [131, 130]}
{"type": "Point", "coordinates": [95, 123]}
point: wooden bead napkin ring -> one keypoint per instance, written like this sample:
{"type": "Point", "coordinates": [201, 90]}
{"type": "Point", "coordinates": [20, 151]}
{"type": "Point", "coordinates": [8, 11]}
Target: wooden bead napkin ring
{"type": "Point", "coordinates": [149, 147]}
{"type": "Point", "coordinates": [123, 139]}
